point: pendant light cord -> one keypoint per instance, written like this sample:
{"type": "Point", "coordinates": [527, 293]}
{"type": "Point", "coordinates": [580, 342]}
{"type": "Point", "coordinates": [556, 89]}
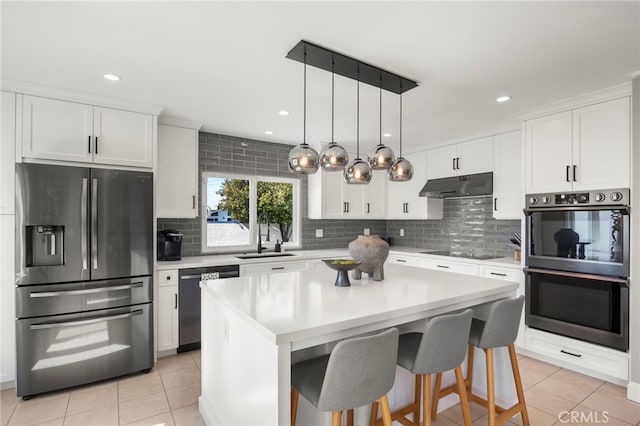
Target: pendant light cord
{"type": "Point", "coordinates": [401, 119]}
{"type": "Point", "coordinates": [333, 116]}
{"type": "Point", "coordinates": [380, 109]}
{"type": "Point", "coordinates": [358, 119]}
{"type": "Point", "coordinates": [304, 108]}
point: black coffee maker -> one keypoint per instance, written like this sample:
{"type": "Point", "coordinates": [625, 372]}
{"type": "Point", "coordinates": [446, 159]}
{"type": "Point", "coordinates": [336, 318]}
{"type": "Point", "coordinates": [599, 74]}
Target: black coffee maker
{"type": "Point", "coordinates": [169, 245]}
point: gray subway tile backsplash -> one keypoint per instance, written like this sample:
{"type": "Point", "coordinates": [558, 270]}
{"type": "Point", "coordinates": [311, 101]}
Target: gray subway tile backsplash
{"type": "Point", "coordinates": [467, 226]}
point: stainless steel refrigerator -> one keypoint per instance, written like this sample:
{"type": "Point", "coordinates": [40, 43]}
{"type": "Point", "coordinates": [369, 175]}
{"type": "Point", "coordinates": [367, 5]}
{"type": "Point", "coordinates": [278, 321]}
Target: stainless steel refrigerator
{"type": "Point", "coordinates": [84, 260]}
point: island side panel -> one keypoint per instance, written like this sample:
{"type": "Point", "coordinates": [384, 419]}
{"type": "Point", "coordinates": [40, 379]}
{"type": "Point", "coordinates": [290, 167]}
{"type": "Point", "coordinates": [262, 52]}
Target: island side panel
{"type": "Point", "coordinates": [245, 377]}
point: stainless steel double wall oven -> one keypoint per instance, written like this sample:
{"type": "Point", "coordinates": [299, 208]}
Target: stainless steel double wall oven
{"type": "Point", "coordinates": [577, 265]}
{"type": "Point", "coordinates": [84, 265]}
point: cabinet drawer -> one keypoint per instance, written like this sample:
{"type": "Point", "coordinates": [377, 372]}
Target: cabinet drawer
{"type": "Point", "coordinates": [458, 268]}
{"type": "Point", "coordinates": [402, 260]}
{"type": "Point", "coordinates": [168, 277]}
{"type": "Point", "coordinates": [505, 274]}
{"type": "Point", "coordinates": [273, 268]}
{"type": "Point", "coordinates": [579, 354]}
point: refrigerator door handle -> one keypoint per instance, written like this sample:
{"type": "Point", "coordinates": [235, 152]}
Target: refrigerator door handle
{"type": "Point", "coordinates": [64, 324]}
{"type": "Point", "coordinates": [83, 225]}
{"type": "Point", "coordinates": [94, 222]}
{"type": "Point", "coordinates": [35, 294]}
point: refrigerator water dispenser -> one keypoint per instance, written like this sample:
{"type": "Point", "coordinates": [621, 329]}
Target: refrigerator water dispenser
{"type": "Point", "coordinates": [44, 245]}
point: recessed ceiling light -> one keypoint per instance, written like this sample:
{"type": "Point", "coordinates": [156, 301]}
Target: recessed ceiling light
{"type": "Point", "coordinates": [387, 135]}
{"type": "Point", "coordinates": [112, 77]}
{"type": "Point", "coordinates": [268, 132]}
{"type": "Point", "coordinates": [283, 112]}
{"type": "Point", "coordinates": [503, 98]}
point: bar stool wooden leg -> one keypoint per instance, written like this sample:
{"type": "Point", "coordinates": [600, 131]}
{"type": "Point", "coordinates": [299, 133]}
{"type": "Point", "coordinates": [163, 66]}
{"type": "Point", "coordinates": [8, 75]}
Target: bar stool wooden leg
{"type": "Point", "coordinates": [518, 382]}
{"type": "Point", "coordinates": [350, 417]}
{"type": "Point", "coordinates": [464, 402]}
{"type": "Point", "coordinates": [336, 418]}
{"type": "Point", "coordinates": [436, 396]}
{"type": "Point", "coordinates": [426, 399]}
{"type": "Point", "coordinates": [491, 398]}
{"type": "Point", "coordinates": [416, 399]}
{"type": "Point", "coordinates": [294, 406]}
{"type": "Point", "coordinates": [469, 381]}
{"type": "Point", "coordinates": [374, 413]}
{"type": "Point", "coordinates": [386, 411]}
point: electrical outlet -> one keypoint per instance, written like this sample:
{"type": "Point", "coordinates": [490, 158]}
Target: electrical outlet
{"type": "Point", "coordinates": [367, 231]}
{"type": "Point", "coordinates": [226, 330]}
{"type": "Point", "coordinates": [402, 232]}
{"type": "Point", "coordinates": [319, 233]}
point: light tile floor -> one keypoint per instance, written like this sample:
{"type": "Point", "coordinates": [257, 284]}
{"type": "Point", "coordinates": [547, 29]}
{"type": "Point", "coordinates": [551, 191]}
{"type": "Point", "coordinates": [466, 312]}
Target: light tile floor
{"type": "Point", "coordinates": [168, 395]}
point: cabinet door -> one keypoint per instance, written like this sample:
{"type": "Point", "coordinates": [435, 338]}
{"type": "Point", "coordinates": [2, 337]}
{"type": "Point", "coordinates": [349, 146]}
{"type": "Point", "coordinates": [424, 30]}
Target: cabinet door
{"type": "Point", "coordinates": [441, 162]}
{"type": "Point", "coordinates": [123, 138]}
{"type": "Point", "coordinates": [397, 195]}
{"type": "Point", "coordinates": [353, 197]}
{"type": "Point", "coordinates": [375, 196]}
{"type": "Point", "coordinates": [332, 198]}
{"type": "Point", "coordinates": [507, 176]}
{"type": "Point", "coordinates": [548, 143]}
{"type": "Point", "coordinates": [445, 265]}
{"type": "Point", "coordinates": [602, 145]}
{"type": "Point", "coordinates": [167, 317]}
{"type": "Point", "coordinates": [177, 175]}
{"type": "Point", "coordinates": [7, 299]}
{"type": "Point", "coordinates": [273, 267]}
{"type": "Point", "coordinates": [7, 153]}
{"type": "Point", "coordinates": [475, 156]}
{"type": "Point", "coordinates": [57, 130]}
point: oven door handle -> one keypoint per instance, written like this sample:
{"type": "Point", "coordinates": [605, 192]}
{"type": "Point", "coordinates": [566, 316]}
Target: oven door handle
{"type": "Point", "coordinates": [623, 209]}
{"type": "Point", "coordinates": [576, 275]}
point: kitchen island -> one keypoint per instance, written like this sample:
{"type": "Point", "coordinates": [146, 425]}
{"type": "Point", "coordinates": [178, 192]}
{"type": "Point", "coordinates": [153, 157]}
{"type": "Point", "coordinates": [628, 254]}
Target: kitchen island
{"type": "Point", "coordinates": [254, 327]}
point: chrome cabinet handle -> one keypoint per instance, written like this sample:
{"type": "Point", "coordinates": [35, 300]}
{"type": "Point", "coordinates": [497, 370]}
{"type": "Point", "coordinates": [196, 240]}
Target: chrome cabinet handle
{"type": "Point", "coordinates": [94, 222]}
{"type": "Point", "coordinates": [83, 223]}
{"type": "Point", "coordinates": [35, 294]}
{"type": "Point", "coordinates": [64, 324]}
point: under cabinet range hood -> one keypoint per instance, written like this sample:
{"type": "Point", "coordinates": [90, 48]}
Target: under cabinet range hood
{"type": "Point", "coordinates": [459, 186]}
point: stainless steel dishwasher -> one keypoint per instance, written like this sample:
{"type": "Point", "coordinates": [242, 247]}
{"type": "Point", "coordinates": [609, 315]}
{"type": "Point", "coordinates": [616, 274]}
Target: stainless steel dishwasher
{"type": "Point", "coordinates": [189, 297]}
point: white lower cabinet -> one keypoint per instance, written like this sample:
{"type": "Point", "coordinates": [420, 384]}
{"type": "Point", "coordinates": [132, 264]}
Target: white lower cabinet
{"type": "Point", "coordinates": [167, 306]}
{"type": "Point", "coordinates": [402, 260]}
{"type": "Point", "coordinates": [591, 359]}
{"type": "Point", "coordinates": [448, 266]}
{"type": "Point", "coordinates": [7, 299]}
{"type": "Point", "coordinates": [273, 267]}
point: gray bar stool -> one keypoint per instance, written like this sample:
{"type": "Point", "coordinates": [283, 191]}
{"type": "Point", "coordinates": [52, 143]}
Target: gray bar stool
{"type": "Point", "coordinates": [500, 329]}
{"type": "Point", "coordinates": [441, 347]}
{"type": "Point", "coordinates": [358, 371]}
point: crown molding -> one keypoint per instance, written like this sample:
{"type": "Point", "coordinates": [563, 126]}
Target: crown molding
{"type": "Point", "coordinates": [602, 95]}
{"type": "Point", "coordinates": [28, 88]}
{"type": "Point", "coordinates": [168, 120]}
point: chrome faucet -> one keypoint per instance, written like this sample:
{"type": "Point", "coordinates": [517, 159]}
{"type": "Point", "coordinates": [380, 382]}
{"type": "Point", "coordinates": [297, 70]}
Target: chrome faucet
{"type": "Point", "coordinates": [260, 247]}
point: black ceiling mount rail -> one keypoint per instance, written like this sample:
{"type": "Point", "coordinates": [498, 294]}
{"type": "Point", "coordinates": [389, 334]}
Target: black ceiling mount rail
{"type": "Point", "coordinates": [346, 66]}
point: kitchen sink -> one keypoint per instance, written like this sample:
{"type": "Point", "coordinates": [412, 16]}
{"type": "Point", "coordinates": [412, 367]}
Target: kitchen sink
{"type": "Point", "coordinates": [260, 256]}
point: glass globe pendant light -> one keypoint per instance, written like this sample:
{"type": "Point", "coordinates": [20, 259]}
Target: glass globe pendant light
{"type": "Point", "coordinates": [333, 157]}
{"type": "Point", "coordinates": [402, 169]}
{"type": "Point", "coordinates": [381, 157]}
{"type": "Point", "coordinates": [303, 159]}
{"type": "Point", "coordinates": [358, 172]}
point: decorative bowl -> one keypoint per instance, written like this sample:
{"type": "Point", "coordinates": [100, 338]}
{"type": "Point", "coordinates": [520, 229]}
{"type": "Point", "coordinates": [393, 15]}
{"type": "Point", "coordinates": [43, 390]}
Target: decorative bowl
{"type": "Point", "coordinates": [343, 266]}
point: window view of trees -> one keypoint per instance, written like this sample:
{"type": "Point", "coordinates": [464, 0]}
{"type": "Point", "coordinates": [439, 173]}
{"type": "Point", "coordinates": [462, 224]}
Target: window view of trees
{"type": "Point", "coordinates": [229, 206]}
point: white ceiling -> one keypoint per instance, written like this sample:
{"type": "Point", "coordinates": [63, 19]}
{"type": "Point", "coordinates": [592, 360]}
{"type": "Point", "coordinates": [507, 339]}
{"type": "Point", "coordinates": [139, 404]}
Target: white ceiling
{"type": "Point", "coordinates": [223, 63]}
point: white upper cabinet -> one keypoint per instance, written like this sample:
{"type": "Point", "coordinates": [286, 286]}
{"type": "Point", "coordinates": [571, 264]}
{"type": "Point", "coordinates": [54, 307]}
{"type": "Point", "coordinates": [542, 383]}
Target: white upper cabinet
{"type": "Point", "coordinates": [403, 201]}
{"type": "Point", "coordinates": [602, 145]}
{"type": "Point", "coordinates": [7, 153]}
{"type": "Point", "coordinates": [507, 176]}
{"type": "Point", "coordinates": [460, 159]}
{"type": "Point", "coordinates": [177, 174]}
{"type": "Point", "coordinates": [583, 149]}
{"type": "Point", "coordinates": [70, 131]}
{"type": "Point", "coordinates": [122, 137]}
{"type": "Point", "coordinates": [330, 197]}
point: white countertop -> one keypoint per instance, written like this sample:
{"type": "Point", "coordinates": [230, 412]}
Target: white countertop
{"type": "Point", "coordinates": [231, 259]}
{"type": "Point", "coordinates": [294, 306]}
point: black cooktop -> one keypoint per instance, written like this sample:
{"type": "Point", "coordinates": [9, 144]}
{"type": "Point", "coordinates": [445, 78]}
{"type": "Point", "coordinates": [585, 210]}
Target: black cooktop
{"type": "Point", "coordinates": [448, 253]}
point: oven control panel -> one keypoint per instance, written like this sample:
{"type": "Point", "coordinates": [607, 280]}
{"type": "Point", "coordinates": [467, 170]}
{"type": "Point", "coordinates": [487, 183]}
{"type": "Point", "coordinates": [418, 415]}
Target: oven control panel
{"type": "Point", "coordinates": [609, 197]}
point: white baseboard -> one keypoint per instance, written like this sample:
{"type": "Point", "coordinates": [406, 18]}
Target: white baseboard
{"type": "Point", "coordinates": [633, 391]}
{"type": "Point", "coordinates": [9, 384]}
